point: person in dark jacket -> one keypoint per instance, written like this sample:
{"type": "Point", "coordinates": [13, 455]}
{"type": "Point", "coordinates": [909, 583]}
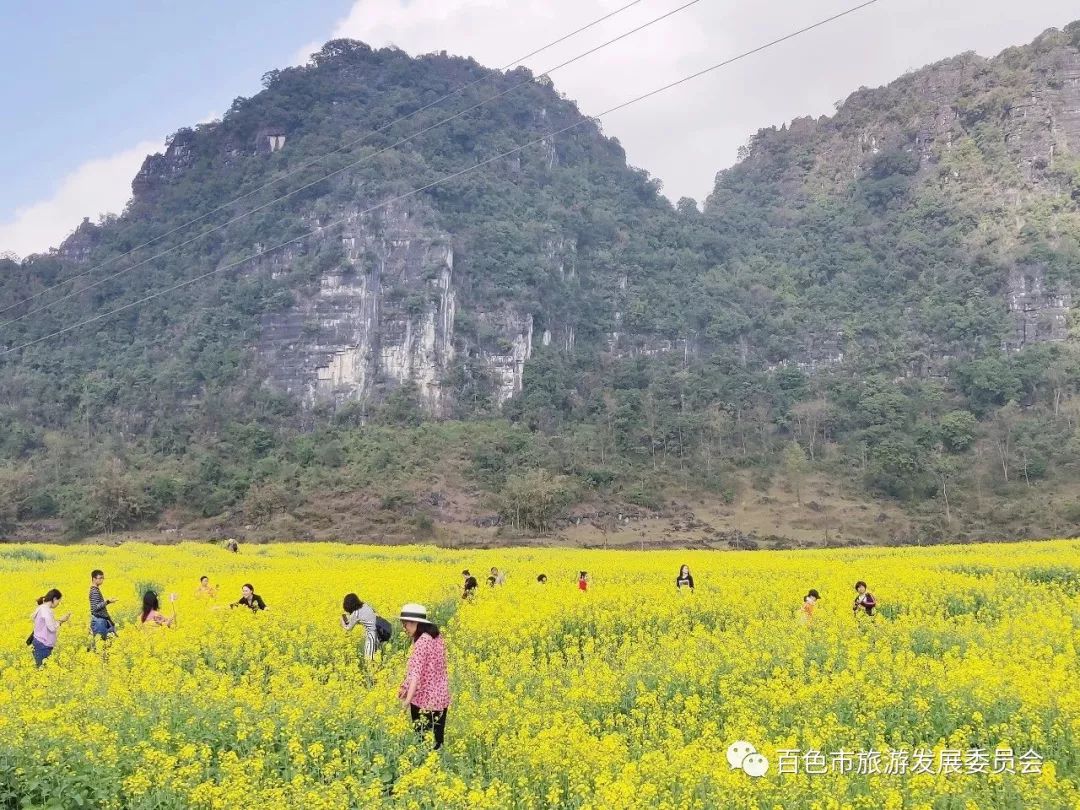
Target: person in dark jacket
{"type": "Point", "coordinates": [249, 599]}
{"type": "Point", "coordinates": [684, 579]}
{"type": "Point", "coordinates": [470, 584]}
{"type": "Point", "coordinates": [864, 600]}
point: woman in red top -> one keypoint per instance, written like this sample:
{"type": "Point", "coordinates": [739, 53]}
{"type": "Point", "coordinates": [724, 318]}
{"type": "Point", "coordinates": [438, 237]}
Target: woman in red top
{"type": "Point", "coordinates": [426, 689]}
{"type": "Point", "coordinates": [583, 581]}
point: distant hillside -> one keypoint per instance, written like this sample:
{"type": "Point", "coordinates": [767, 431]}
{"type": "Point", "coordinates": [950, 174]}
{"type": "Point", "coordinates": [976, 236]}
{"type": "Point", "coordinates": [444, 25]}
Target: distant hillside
{"type": "Point", "coordinates": [873, 313]}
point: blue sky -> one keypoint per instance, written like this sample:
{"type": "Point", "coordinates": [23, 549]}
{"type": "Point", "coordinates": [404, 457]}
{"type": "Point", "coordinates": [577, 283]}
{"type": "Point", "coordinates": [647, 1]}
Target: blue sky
{"type": "Point", "coordinates": [89, 88]}
{"type": "Point", "coordinates": [80, 78]}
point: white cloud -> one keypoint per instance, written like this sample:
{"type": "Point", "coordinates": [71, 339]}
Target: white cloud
{"type": "Point", "coordinates": [98, 186]}
{"type": "Point", "coordinates": [686, 135]}
{"type": "Point", "coordinates": [302, 55]}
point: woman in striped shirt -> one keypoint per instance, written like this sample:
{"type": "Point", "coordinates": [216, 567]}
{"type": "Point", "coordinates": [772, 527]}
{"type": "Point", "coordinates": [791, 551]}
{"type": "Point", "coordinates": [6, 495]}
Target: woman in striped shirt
{"type": "Point", "coordinates": [426, 689]}
{"type": "Point", "coordinates": [359, 613]}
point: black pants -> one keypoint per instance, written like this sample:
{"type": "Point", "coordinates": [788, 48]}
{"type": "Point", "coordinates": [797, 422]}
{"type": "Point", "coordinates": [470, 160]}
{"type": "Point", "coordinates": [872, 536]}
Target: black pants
{"type": "Point", "coordinates": [426, 721]}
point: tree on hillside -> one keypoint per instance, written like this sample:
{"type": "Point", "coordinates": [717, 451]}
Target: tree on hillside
{"type": "Point", "coordinates": [531, 501]}
{"type": "Point", "coordinates": [945, 469]}
{"type": "Point", "coordinates": [1002, 431]}
{"type": "Point", "coordinates": [796, 466]}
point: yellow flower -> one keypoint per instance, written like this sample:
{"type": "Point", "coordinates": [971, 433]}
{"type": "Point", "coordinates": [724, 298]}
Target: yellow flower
{"type": "Point", "coordinates": [627, 698]}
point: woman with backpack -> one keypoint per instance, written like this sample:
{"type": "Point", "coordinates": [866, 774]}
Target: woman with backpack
{"type": "Point", "coordinates": [425, 691]}
{"type": "Point", "coordinates": [359, 613]}
{"type": "Point", "coordinates": [46, 626]}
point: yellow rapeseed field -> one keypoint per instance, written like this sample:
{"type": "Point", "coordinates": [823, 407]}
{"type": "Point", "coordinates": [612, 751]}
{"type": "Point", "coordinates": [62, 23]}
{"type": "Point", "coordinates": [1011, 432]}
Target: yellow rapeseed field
{"type": "Point", "coordinates": [964, 692]}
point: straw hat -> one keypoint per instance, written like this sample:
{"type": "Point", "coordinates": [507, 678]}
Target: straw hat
{"type": "Point", "coordinates": [413, 612]}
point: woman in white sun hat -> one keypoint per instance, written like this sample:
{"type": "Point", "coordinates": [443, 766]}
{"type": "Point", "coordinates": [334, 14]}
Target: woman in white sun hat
{"type": "Point", "coordinates": [426, 689]}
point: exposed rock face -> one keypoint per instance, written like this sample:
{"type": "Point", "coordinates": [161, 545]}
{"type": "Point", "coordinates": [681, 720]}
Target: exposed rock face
{"type": "Point", "coordinates": [164, 168]}
{"type": "Point", "coordinates": [78, 246]}
{"type": "Point", "coordinates": [383, 317]}
{"type": "Point", "coordinates": [1038, 314]}
{"type": "Point", "coordinates": [270, 139]}
{"type": "Point", "coordinates": [507, 365]}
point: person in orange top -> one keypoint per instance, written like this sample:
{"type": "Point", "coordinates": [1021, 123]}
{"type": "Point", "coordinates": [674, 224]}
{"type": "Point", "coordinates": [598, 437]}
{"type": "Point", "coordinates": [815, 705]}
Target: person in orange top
{"type": "Point", "coordinates": [205, 589]}
{"type": "Point", "coordinates": [808, 605]}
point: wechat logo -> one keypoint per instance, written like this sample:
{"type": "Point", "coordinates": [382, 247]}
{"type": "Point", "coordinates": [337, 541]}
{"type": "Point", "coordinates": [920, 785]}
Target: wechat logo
{"type": "Point", "coordinates": [742, 756]}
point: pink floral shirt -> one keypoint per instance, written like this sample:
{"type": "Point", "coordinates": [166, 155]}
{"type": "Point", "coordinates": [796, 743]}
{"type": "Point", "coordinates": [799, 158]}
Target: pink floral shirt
{"type": "Point", "coordinates": [427, 665]}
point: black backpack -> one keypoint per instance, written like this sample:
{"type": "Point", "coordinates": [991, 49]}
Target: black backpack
{"type": "Point", "coordinates": [383, 629]}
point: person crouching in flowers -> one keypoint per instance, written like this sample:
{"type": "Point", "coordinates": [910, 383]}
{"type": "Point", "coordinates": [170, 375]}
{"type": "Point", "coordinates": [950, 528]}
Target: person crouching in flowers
{"type": "Point", "coordinates": [806, 612]}
{"type": "Point", "coordinates": [864, 600]}
{"type": "Point", "coordinates": [151, 611]}
{"type": "Point", "coordinates": [249, 599]}
{"type": "Point", "coordinates": [426, 689]}
{"type": "Point", "coordinates": [359, 613]}
{"type": "Point", "coordinates": [46, 625]}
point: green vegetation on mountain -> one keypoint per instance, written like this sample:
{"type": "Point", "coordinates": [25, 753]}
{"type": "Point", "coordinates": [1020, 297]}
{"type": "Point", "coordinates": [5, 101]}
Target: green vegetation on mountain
{"type": "Point", "coordinates": [877, 304]}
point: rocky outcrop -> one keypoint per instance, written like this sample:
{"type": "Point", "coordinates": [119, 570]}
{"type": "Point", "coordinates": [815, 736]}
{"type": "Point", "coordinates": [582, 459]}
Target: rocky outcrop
{"type": "Point", "coordinates": [382, 316]}
{"type": "Point", "coordinates": [1038, 314]}
{"type": "Point", "coordinates": [506, 364]}
{"type": "Point", "coordinates": [77, 247]}
{"type": "Point", "coordinates": [162, 168]}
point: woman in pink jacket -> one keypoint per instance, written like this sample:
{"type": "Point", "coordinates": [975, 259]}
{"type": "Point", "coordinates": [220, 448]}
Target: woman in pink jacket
{"type": "Point", "coordinates": [426, 689]}
{"type": "Point", "coordinates": [46, 625]}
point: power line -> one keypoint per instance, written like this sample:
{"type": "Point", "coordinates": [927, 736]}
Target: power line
{"type": "Point", "coordinates": [454, 175]}
{"type": "Point", "coordinates": [313, 161]}
{"type": "Point", "coordinates": [347, 166]}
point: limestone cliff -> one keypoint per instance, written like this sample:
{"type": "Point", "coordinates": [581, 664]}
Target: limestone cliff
{"type": "Point", "coordinates": [382, 315]}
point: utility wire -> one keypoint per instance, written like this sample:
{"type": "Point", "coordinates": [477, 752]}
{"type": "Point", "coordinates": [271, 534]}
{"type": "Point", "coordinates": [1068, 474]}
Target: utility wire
{"type": "Point", "coordinates": [364, 159]}
{"type": "Point", "coordinates": [454, 175]}
{"type": "Point", "coordinates": [313, 161]}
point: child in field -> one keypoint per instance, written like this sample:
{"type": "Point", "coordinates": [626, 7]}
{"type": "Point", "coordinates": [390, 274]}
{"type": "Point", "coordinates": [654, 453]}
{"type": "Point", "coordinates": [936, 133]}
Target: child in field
{"type": "Point", "coordinates": [359, 613]}
{"type": "Point", "coordinates": [542, 579]}
{"type": "Point", "coordinates": [684, 579]}
{"type": "Point", "coordinates": [496, 578]}
{"type": "Point", "coordinates": [249, 599]}
{"type": "Point", "coordinates": [864, 600]}
{"type": "Point", "coordinates": [809, 604]}
{"type": "Point", "coordinates": [425, 691]}
{"type": "Point", "coordinates": [205, 589]}
{"type": "Point", "coordinates": [583, 581]}
{"type": "Point", "coordinates": [46, 625]}
{"type": "Point", "coordinates": [151, 611]}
